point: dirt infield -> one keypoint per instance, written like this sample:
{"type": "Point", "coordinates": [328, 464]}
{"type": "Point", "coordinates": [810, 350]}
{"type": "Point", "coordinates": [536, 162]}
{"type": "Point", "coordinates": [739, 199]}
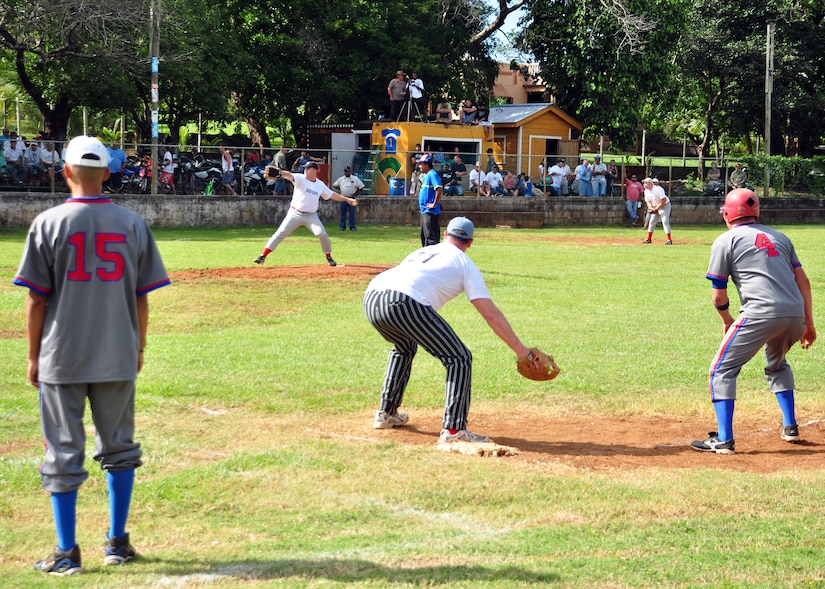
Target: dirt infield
{"type": "Point", "coordinates": [576, 442]}
{"type": "Point", "coordinates": [609, 443]}
{"type": "Point", "coordinates": [314, 272]}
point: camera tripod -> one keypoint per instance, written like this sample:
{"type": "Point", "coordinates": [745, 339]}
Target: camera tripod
{"type": "Point", "coordinates": [409, 104]}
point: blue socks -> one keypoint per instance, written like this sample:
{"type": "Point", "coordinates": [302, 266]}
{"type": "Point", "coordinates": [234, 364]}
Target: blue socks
{"type": "Point", "coordinates": [724, 417]}
{"type": "Point", "coordinates": [786, 403]}
{"type": "Point", "coordinates": [120, 483]}
{"type": "Point", "coordinates": [64, 507]}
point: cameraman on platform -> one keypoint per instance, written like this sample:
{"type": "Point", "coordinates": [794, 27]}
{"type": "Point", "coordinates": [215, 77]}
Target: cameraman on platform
{"type": "Point", "coordinates": [416, 89]}
{"type": "Point", "coordinates": [397, 91]}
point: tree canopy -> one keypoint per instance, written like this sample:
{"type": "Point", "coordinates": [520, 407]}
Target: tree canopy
{"type": "Point", "coordinates": [693, 68]}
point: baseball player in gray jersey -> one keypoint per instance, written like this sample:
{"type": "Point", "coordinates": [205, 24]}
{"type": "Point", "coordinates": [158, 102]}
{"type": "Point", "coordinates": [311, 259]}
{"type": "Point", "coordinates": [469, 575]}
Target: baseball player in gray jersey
{"type": "Point", "coordinates": [776, 313]}
{"type": "Point", "coordinates": [402, 304]}
{"type": "Point", "coordinates": [89, 265]}
{"type": "Point", "coordinates": [303, 210]}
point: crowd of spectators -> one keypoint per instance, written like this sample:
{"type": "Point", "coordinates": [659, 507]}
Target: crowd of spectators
{"type": "Point", "coordinates": [30, 162]}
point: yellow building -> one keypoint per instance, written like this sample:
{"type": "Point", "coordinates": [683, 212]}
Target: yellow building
{"type": "Point", "coordinates": [523, 136]}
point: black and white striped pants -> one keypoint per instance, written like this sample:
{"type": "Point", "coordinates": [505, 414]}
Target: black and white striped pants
{"type": "Point", "coordinates": [406, 324]}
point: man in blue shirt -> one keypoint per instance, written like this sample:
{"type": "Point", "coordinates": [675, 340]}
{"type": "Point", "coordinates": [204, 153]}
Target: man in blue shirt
{"type": "Point", "coordinates": [429, 201]}
{"type": "Point", "coordinates": [117, 163]}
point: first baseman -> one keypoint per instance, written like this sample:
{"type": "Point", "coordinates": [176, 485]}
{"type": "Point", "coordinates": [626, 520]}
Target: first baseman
{"type": "Point", "coordinates": [303, 210]}
{"type": "Point", "coordinates": [776, 313]}
{"type": "Point", "coordinates": [402, 304]}
{"type": "Point", "coordinates": [89, 265]}
{"type": "Point", "coordinates": [658, 206]}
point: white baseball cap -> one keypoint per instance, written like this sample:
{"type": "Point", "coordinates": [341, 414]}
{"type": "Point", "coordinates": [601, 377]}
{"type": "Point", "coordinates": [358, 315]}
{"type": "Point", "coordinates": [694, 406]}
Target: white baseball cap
{"type": "Point", "coordinates": [88, 151]}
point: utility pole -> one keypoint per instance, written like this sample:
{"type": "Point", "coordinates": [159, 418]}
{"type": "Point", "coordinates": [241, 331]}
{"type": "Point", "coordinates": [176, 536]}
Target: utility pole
{"type": "Point", "coordinates": [154, 49]}
{"type": "Point", "coordinates": [768, 98]}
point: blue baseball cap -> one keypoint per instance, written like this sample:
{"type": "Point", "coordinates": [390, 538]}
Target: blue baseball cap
{"type": "Point", "coordinates": [460, 227]}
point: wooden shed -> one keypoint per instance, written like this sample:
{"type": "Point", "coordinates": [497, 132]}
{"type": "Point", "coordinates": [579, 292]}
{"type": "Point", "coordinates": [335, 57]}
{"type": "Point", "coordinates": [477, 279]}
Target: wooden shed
{"type": "Point", "coordinates": [526, 134]}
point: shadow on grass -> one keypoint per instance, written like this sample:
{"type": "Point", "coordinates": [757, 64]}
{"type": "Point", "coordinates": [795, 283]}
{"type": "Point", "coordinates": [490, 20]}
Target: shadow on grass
{"type": "Point", "coordinates": [351, 571]}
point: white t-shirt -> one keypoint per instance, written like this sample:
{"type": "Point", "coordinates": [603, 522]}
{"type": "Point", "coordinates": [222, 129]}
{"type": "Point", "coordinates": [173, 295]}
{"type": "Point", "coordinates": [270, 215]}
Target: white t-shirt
{"type": "Point", "coordinates": [556, 174]}
{"type": "Point", "coordinates": [168, 162]}
{"type": "Point", "coordinates": [348, 185]}
{"type": "Point", "coordinates": [416, 88]}
{"type": "Point", "coordinates": [477, 177]}
{"type": "Point", "coordinates": [495, 179]}
{"type": "Point", "coordinates": [433, 276]}
{"type": "Point", "coordinates": [307, 195]}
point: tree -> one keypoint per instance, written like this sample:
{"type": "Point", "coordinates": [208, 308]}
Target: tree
{"type": "Point", "coordinates": [603, 59]}
{"type": "Point", "coordinates": [331, 61]}
{"type": "Point", "coordinates": [65, 55]}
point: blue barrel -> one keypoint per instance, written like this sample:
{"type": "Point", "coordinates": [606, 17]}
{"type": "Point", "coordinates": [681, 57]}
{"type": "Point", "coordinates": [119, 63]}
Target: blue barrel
{"type": "Point", "coordinates": [398, 187]}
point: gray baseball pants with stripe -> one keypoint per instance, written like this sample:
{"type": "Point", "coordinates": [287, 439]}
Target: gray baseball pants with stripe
{"type": "Point", "coordinates": [743, 341]}
{"type": "Point", "coordinates": [294, 219]}
{"type": "Point", "coordinates": [406, 324]}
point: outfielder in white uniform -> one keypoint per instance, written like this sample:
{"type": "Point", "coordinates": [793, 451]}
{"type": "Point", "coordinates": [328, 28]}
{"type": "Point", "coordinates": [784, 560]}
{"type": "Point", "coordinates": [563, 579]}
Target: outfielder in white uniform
{"type": "Point", "coordinates": [89, 265]}
{"type": "Point", "coordinates": [776, 313]}
{"type": "Point", "coordinates": [658, 206]}
{"type": "Point", "coordinates": [303, 210]}
{"type": "Point", "coordinates": [402, 304]}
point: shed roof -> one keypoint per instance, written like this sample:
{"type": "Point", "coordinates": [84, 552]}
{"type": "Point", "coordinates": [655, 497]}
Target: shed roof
{"type": "Point", "coordinates": [515, 114]}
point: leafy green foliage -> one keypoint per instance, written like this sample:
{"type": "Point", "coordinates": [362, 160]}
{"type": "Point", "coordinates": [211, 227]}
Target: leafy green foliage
{"type": "Point", "coordinates": [599, 70]}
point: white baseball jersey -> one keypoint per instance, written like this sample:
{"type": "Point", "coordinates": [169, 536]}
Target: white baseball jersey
{"type": "Point", "coordinates": [434, 275]}
{"type": "Point", "coordinates": [655, 195]}
{"type": "Point", "coordinates": [307, 195]}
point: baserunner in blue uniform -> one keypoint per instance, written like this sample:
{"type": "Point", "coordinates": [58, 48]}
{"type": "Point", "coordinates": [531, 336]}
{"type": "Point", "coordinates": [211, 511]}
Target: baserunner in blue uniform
{"type": "Point", "coordinates": [776, 313]}
{"type": "Point", "coordinates": [89, 265]}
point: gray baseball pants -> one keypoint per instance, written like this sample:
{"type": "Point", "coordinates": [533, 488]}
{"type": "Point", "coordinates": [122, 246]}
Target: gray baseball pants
{"type": "Point", "coordinates": [294, 219]}
{"type": "Point", "coordinates": [61, 418]}
{"type": "Point", "coordinates": [664, 215]}
{"type": "Point", "coordinates": [743, 341]}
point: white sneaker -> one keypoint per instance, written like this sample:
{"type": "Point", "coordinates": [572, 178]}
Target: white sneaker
{"type": "Point", "coordinates": [384, 420]}
{"type": "Point", "coordinates": [461, 435]}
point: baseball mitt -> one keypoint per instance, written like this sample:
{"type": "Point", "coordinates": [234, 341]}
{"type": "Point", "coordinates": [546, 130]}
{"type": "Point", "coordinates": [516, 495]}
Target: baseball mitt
{"type": "Point", "coordinates": [537, 365]}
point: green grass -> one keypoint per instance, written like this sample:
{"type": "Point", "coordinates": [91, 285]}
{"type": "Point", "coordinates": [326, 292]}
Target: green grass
{"type": "Point", "coordinates": [244, 486]}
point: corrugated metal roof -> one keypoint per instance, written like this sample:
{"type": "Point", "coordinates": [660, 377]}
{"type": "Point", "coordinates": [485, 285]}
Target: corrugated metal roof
{"type": "Point", "coordinates": [513, 113]}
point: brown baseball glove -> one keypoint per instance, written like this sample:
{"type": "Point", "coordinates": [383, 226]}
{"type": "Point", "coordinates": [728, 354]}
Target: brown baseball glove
{"type": "Point", "coordinates": [537, 365]}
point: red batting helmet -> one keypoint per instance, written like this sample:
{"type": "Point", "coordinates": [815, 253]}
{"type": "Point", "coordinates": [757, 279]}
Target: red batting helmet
{"type": "Point", "coordinates": [740, 203]}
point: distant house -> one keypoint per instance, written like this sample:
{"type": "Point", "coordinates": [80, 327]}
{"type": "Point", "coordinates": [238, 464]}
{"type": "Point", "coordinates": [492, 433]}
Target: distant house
{"type": "Point", "coordinates": [520, 86]}
{"type": "Point", "coordinates": [526, 134]}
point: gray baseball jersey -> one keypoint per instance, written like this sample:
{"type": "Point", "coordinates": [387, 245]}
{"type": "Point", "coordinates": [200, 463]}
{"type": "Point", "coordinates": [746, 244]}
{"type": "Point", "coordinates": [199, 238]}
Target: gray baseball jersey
{"type": "Point", "coordinates": [760, 261]}
{"type": "Point", "coordinates": [91, 258]}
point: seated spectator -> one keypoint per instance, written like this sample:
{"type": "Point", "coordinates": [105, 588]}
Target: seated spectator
{"type": "Point", "coordinates": [528, 186]}
{"type": "Point", "coordinates": [458, 170]}
{"type": "Point", "coordinates": [15, 162]}
{"type": "Point", "coordinates": [496, 182]}
{"type": "Point", "coordinates": [32, 161]}
{"type": "Point", "coordinates": [509, 184]}
{"type": "Point", "coordinates": [478, 181]}
{"type": "Point", "coordinates": [468, 113]}
{"type": "Point", "coordinates": [714, 173]}
{"type": "Point", "coordinates": [520, 186]}
{"type": "Point", "coordinates": [483, 120]}
{"type": "Point", "coordinates": [50, 161]}
{"type": "Point", "coordinates": [444, 112]}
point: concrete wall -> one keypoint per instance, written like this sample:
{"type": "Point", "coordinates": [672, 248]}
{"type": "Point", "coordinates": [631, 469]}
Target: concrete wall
{"type": "Point", "coordinates": [19, 209]}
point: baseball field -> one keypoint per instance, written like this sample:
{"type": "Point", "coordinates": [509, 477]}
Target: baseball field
{"type": "Point", "coordinates": [262, 468]}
